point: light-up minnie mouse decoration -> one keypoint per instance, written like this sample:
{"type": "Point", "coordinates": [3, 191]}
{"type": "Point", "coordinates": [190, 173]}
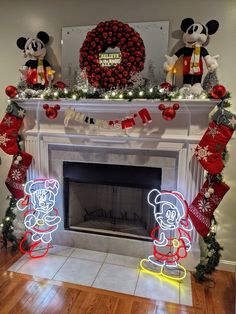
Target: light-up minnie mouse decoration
{"type": "Point", "coordinates": [41, 218]}
{"type": "Point", "coordinates": [51, 111]}
{"type": "Point", "coordinates": [169, 113]}
{"type": "Point", "coordinates": [171, 239]}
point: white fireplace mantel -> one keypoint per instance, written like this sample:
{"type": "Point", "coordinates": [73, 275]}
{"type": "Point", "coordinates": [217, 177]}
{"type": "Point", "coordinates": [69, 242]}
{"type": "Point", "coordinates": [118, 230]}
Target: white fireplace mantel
{"type": "Point", "coordinates": [160, 143]}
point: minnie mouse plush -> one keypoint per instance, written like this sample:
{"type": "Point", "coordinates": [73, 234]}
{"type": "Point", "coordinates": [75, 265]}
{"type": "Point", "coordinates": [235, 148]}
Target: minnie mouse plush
{"type": "Point", "coordinates": [37, 71]}
{"type": "Point", "coordinates": [194, 37]}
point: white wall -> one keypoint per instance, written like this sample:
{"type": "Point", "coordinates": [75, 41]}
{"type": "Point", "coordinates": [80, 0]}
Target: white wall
{"type": "Point", "coordinates": [26, 18]}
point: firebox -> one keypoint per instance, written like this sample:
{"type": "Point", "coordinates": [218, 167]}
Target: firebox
{"type": "Point", "coordinates": [109, 199]}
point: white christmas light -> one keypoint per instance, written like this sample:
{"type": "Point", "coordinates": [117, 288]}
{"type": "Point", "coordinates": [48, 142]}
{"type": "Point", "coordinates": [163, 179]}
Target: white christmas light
{"type": "Point", "coordinates": [113, 94]}
{"type": "Point", "coordinates": [170, 212]}
{"type": "Point", "coordinates": [130, 93]}
{"type": "Point", "coordinates": [65, 90]}
{"type": "Point", "coordinates": [42, 219]}
{"type": "Point", "coordinates": [141, 93]}
{"type": "Point", "coordinates": [106, 97]}
{"type": "Point", "coordinates": [150, 90]}
{"type": "Point", "coordinates": [120, 96]}
{"type": "Point", "coordinates": [74, 96]}
{"type": "Point", "coordinates": [55, 94]}
{"type": "Point", "coordinates": [7, 218]}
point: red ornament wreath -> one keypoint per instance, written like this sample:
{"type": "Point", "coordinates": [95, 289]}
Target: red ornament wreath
{"type": "Point", "coordinates": [112, 34]}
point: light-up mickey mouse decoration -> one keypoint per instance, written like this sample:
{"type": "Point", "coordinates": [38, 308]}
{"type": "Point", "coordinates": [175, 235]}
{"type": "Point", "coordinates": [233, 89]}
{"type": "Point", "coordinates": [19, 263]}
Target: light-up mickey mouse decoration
{"type": "Point", "coordinates": [168, 113]}
{"type": "Point", "coordinates": [51, 111]}
{"type": "Point", "coordinates": [40, 217]}
{"type": "Point", "coordinates": [171, 238]}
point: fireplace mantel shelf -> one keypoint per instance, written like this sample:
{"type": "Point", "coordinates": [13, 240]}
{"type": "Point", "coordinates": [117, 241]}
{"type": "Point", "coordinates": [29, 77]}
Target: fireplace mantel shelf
{"type": "Point", "coordinates": [204, 106]}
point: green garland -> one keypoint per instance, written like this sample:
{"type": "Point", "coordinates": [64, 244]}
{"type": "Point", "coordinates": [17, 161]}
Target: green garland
{"type": "Point", "coordinates": [7, 225]}
{"type": "Point", "coordinates": [211, 261]}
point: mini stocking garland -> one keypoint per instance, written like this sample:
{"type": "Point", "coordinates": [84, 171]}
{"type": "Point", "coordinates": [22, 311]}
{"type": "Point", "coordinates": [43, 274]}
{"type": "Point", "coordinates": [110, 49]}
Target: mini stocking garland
{"type": "Point", "coordinates": [203, 206]}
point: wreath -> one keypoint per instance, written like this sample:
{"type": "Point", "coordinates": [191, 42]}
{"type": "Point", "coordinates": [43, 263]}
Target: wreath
{"type": "Point", "coordinates": [112, 34]}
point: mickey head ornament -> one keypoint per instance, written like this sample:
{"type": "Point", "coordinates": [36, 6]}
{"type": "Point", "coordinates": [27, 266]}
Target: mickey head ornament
{"type": "Point", "coordinates": [51, 111]}
{"type": "Point", "coordinates": [168, 113]}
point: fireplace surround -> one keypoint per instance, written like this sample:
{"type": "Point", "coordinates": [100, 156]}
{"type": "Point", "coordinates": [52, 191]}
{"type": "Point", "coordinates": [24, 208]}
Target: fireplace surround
{"type": "Point", "coordinates": [167, 145]}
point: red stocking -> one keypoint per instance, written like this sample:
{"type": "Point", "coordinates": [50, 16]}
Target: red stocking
{"type": "Point", "coordinates": [17, 174]}
{"type": "Point", "coordinates": [203, 206]}
{"type": "Point", "coordinates": [9, 128]}
{"type": "Point", "coordinates": [211, 146]}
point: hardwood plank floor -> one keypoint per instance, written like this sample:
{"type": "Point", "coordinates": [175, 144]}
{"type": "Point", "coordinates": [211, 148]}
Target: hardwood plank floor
{"type": "Point", "coordinates": [26, 294]}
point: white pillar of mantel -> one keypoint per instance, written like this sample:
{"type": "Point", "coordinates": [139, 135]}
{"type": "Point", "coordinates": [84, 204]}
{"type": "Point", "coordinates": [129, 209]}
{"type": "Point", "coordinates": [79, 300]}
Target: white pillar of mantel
{"type": "Point", "coordinates": [177, 137]}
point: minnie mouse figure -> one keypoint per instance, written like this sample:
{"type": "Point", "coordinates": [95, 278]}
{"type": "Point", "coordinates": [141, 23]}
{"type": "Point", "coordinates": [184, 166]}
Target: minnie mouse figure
{"type": "Point", "coordinates": [36, 72]}
{"type": "Point", "coordinates": [171, 237]}
{"type": "Point", "coordinates": [195, 36]}
{"type": "Point", "coordinates": [41, 218]}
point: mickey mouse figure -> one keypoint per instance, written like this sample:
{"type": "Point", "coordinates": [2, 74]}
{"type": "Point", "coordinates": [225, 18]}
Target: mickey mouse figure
{"type": "Point", "coordinates": [195, 36]}
{"type": "Point", "coordinates": [41, 218]}
{"type": "Point", "coordinates": [171, 239]}
{"type": "Point", "coordinates": [37, 71]}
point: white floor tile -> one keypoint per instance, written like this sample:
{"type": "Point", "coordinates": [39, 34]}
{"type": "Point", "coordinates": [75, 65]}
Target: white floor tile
{"type": "Point", "coordinates": [78, 271]}
{"type": "Point", "coordinates": [21, 261]}
{"type": "Point", "coordinates": [61, 250]}
{"type": "Point", "coordinates": [157, 288]}
{"type": "Point", "coordinates": [122, 260]}
{"type": "Point", "coordinates": [45, 267]}
{"type": "Point", "coordinates": [117, 278]}
{"type": "Point", "coordinates": [185, 290]}
{"type": "Point", "coordinates": [89, 255]}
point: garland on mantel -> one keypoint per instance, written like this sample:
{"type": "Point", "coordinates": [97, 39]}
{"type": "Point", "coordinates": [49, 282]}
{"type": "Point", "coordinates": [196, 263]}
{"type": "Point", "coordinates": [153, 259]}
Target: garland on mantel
{"type": "Point", "coordinates": [164, 91]}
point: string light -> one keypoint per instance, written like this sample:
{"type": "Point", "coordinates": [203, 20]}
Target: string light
{"type": "Point", "coordinates": [120, 96]}
{"type": "Point", "coordinates": [74, 96]}
{"type": "Point", "coordinates": [170, 210]}
{"type": "Point", "coordinates": [141, 93]}
{"type": "Point", "coordinates": [55, 94]}
{"type": "Point", "coordinates": [106, 97]}
{"type": "Point", "coordinates": [150, 90]}
{"type": "Point", "coordinates": [113, 94]}
{"type": "Point", "coordinates": [130, 93]}
{"type": "Point", "coordinates": [7, 218]}
{"type": "Point", "coordinates": [39, 200]}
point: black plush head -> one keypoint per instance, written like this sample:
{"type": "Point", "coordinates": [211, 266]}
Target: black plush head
{"type": "Point", "coordinates": [34, 48]}
{"type": "Point", "coordinates": [196, 33]}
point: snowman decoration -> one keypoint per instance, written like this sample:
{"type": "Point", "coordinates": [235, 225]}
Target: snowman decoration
{"type": "Point", "coordinates": [41, 218]}
{"type": "Point", "coordinates": [171, 238]}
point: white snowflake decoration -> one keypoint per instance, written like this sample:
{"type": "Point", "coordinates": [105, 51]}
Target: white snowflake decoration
{"type": "Point", "coordinates": [213, 132]}
{"type": "Point", "coordinates": [16, 174]}
{"type": "Point", "coordinates": [4, 139]}
{"type": "Point", "coordinates": [8, 121]}
{"type": "Point", "coordinates": [204, 206]}
{"type": "Point", "coordinates": [202, 152]}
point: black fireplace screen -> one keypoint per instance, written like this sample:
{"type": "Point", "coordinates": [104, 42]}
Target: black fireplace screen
{"type": "Point", "coordinates": [109, 199]}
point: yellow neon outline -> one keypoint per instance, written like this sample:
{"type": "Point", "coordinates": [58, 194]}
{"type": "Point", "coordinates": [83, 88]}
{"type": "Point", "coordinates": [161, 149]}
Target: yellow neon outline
{"type": "Point", "coordinates": [161, 274]}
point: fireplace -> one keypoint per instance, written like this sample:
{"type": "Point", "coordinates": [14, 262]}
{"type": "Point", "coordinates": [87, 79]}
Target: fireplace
{"type": "Point", "coordinates": [109, 199]}
{"type": "Point", "coordinates": [165, 145]}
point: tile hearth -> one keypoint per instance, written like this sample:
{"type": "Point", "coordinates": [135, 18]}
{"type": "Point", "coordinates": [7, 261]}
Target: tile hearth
{"type": "Point", "coordinates": [107, 271]}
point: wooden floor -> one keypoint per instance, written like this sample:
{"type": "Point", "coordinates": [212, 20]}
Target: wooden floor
{"type": "Point", "coordinates": [26, 294]}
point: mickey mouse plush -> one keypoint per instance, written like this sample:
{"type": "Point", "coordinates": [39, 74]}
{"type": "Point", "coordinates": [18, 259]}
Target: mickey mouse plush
{"type": "Point", "coordinates": [194, 37]}
{"type": "Point", "coordinates": [37, 71]}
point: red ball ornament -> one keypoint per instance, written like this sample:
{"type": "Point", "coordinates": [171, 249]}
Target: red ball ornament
{"type": "Point", "coordinates": [166, 86]}
{"type": "Point", "coordinates": [169, 113]}
{"type": "Point", "coordinates": [59, 85]}
{"type": "Point", "coordinates": [51, 112]}
{"type": "Point", "coordinates": [218, 92]}
{"type": "Point", "coordinates": [11, 91]}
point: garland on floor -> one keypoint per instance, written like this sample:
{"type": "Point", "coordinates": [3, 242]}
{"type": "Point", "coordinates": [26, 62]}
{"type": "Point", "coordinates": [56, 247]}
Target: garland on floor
{"type": "Point", "coordinates": [212, 258]}
{"type": "Point", "coordinates": [7, 225]}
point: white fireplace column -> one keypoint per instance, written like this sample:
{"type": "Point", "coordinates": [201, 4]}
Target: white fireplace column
{"type": "Point", "coordinates": [49, 141]}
